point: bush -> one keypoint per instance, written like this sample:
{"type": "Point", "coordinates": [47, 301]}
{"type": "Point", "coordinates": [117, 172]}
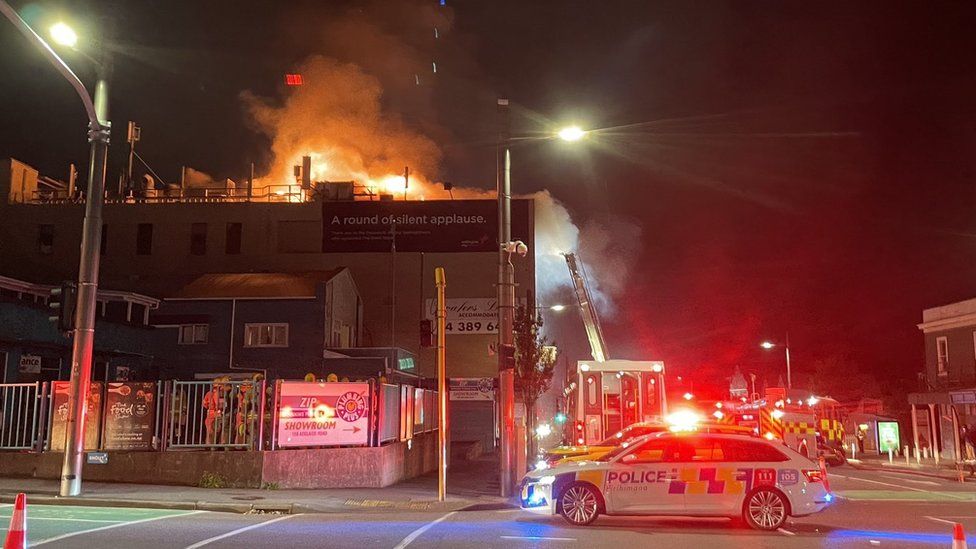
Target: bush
{"type": "Point", "coordinates": [212, 480]}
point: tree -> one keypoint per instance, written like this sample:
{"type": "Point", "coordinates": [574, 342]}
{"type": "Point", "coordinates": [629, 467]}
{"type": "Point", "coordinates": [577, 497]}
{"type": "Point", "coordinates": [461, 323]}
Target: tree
{"type": "Point", "coordinates": [535, 360]}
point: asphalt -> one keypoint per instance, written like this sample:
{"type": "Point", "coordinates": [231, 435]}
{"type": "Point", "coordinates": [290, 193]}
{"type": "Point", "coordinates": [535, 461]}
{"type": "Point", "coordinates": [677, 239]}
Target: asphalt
{"type": "Point", "coordinates": [874, 509]}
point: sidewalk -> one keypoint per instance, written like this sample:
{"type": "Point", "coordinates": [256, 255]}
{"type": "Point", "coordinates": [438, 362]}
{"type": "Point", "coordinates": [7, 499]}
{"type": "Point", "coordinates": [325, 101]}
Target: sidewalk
{"type": "Point", "coordinates": [466, 490]}
{"type": "Point", "coordinates": [944, 470]}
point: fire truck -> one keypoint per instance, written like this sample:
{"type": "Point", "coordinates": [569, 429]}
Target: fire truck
{"type": "Point", "coordinates": [809, 424]}
{"type": "Point", "coordinates": [604, 395]}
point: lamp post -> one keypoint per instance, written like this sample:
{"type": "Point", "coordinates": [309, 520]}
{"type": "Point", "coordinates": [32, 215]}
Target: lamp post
{"type": "Point", "coordinates": [99, 131]}
{"type": "Point", "coordinates": [768, 345]}
{"type": "Point", "coordinates": [506, 304]}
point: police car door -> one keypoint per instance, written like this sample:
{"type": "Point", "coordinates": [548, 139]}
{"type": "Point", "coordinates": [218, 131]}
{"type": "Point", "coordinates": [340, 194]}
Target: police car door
{"type": "Point", "coordinates": [711, 483]}
{"type": "Point", "coordinates": [640, 481]}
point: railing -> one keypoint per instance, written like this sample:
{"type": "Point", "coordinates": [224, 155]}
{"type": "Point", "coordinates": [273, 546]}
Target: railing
{"type": "Point", "coordinates": [21, 407]}
{"type": "Point", "coordinates": [215, 414]}
{"type": "Point", "coordinates": [211, 415]}
{"type": "Point", "coordinates": [213, 194]}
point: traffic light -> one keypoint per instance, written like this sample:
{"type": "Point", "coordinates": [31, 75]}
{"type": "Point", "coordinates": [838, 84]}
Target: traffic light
{"type": "Point", "coordinates": [560, 418]}
{"type": "Point", "coordinates": [426, 333]}
{"type": "Point", "coordinates": [62, 302]}
{"type": "Point", "coordinates": [508, 356]}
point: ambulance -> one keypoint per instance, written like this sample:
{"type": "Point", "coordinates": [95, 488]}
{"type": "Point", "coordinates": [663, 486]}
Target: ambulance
{"type": "Point", "coordinates": [742, 477]}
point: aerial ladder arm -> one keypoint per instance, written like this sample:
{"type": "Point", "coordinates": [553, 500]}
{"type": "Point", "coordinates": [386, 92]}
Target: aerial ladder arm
{"type": "Point", "coordinates": [591, 322]}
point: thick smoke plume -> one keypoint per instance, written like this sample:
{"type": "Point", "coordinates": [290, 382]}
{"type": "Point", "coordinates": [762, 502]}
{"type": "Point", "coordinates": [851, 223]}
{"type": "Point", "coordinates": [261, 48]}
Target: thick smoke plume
{"type": "Point", "coordinates": [337, 118]}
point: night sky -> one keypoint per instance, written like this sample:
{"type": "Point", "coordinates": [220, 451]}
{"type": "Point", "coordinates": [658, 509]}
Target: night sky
{"type": "Point", "coordinates": [791, 166]}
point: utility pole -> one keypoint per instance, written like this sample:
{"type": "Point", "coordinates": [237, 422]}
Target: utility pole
{"type": "Point", "coordinates": [84, 336]}
{"type": "Point", "coordinates": [99, 131]}
{"type": "Point", "coordinates": [132, 135]}
{"type": "Point", "coordinates": [442, 425]}
{"type": "Point", "coordinates": [506, 316]}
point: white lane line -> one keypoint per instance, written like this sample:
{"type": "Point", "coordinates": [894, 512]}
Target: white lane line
{"type": "Point", "coordinates": [238, 531]}
{"type": "Point", "coordinates": [69, 519]}
{"type": "Point", "coordinates": [537, 538]}
{"type": "Point", "coordinates": [785, 531]}
{"type": "Point", "coordinates": [903, 487]}
{"type": "Point", "coordinates": [936, 519]}
{"type": "Point", "coordinates": [417, 533]}
{"type": "Point", "coordinates": [902, 479]}
{"type": "Point", "coordinates": [110, 526]}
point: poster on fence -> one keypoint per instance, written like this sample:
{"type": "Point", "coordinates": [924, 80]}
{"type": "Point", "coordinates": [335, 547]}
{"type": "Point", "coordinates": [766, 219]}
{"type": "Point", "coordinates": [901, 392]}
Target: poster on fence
{"type": "Point", "coordinates": [59, 415]}
{"type": "Point", "coordinates": [323, 414]}
{"type": "Point", "coordinates": [130, 416]}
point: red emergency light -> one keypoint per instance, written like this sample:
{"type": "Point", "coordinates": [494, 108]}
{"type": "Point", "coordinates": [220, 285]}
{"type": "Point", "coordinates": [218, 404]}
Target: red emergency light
{"type": "Point", "coordinates": [294, 80]}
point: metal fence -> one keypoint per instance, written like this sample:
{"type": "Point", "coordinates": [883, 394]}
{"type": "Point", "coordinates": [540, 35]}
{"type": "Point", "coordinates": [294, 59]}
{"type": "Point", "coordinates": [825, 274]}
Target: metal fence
{"type": "Point", "coordinates": [215, 414]}
{"type": "Point", "coordinates": [389, 408]}
{"type": "Point", "coordinates": [21, 408]}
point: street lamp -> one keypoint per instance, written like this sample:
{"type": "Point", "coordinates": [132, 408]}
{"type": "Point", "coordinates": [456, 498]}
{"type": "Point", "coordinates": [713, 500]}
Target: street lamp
{"type": "Point", "coordinates": [506, 301]}
{"type": "Point", "coordinates": [64, 35]}
{"type": "Point", "coordinates": [769, 345]}
{"type": "Point", "coordinates": [571, 133]}
{"type": "Point", "coordinates": [99, 131]}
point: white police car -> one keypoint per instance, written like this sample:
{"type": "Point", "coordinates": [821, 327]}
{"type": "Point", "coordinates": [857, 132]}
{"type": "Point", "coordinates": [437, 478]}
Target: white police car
{"type": "Point", "coordinates": [687, 474]}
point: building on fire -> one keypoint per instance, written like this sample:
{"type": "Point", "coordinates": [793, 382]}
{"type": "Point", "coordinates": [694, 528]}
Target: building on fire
{"type": "Point", "coordinates": [160, 242]}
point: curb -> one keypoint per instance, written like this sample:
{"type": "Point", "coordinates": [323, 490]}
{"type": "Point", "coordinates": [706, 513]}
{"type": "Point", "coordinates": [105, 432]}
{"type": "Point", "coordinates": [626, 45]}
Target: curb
{"type": "Point", "coordinates": [245, 508]}
{"type": "Point", "coordinates": [904, 470]}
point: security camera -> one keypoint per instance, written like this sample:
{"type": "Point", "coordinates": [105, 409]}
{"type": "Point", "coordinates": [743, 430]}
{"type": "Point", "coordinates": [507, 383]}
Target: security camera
{"type": "Point", "coordinates": [516, 247]}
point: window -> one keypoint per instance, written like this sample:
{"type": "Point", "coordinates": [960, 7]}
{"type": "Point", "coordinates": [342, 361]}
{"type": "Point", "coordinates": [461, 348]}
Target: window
{"type": "Point", "coordinates": [746, 450]}
{"type": "Point", "coordinates": [45, 239]}
{"type": "Point", "coordinates": [700, 449]}
{"type": "Point", "coordinates": [235, 232]}
{"type": "Point", "coordinates": [942, 355]}
{"type": "Point", "coordinates": [144, 239]}
{"type": "Point", "coordinates": [198, 239]}
{"type": "Point", "coordinates": [652, 451]}
{"type": "Point", "coordinates": [194, 334]}
{"type": "Point", "coordinates": [265, 335]}
{"type": "Point", "coordinates": [103, 248]}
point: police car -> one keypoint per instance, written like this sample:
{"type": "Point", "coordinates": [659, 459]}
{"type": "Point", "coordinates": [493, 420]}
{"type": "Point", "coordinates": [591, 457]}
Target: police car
{"type": "Point", "coordinates": [685, 473]}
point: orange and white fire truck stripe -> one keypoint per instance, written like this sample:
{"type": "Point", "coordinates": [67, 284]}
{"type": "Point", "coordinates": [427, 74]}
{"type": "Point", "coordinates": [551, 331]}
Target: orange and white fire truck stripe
{"type": "Point", "coordinates": [769, 424]}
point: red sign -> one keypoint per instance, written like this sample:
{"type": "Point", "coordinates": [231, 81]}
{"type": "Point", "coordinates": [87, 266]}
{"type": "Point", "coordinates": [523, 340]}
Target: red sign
{"type": "Point", "coordinates": [294, 80]}
{"type": "Point", "coordinates": [323, 414]}
{"type": "Point", "coordinates": [764, 477]}
{"type": "Point", "coordinates": [59, 415]}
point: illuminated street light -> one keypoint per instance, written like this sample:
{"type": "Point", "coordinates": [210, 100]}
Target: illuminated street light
{"type": "Point", "coordinates": [64, 35]}
{"type": "Point", "coordinates": [770, 345]}
{"type": "Point", "coordinates": [688, 396]}
{"type": "Point", "coordinates": [571, 133]}
{"type": "Point", "coordinates": [557, 308]}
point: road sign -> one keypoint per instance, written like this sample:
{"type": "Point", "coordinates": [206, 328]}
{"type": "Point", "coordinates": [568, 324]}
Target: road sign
{"type": "Point", "coordinates": [472, 388]}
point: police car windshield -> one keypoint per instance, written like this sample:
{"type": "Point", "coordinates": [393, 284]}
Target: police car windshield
{"type": "Point", "coordinates": [628, 434]}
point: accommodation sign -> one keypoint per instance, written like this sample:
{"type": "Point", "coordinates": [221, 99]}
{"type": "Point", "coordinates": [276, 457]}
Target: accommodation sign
{"type": "Point", "coordinates": [418, 226]}
{"type": "Point", "coordinates": [323, 414]}
{"type": "Point", "coordinates": [467, 316]}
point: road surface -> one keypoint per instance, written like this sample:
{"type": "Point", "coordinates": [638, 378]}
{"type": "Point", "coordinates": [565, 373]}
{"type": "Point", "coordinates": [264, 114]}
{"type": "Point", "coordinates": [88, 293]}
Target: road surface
{"type": "Point", "coordinates": [875, 509]}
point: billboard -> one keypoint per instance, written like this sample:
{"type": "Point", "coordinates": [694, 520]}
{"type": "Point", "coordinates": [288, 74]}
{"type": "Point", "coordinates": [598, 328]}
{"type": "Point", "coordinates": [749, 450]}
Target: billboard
{"type": "Point", "coordinates": [130, 416]}
{"type": "Point", "coordinates": [888, 436]}
{"type": "Point", "coordinates": [472, 388]}
{"type": "Point", "coordinates": [323, 414]}
{"type": "Point", "coordinates": [59, 415]}
{"type": "Point", "coordinates": [418, 226]}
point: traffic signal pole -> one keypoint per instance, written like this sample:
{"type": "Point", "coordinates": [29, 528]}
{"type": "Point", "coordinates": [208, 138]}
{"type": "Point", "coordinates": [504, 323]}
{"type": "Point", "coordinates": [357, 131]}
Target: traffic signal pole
{"type": "Point", "coordinates": [506, 335]}
{"type": "Point", "coordinates": [84, 334]}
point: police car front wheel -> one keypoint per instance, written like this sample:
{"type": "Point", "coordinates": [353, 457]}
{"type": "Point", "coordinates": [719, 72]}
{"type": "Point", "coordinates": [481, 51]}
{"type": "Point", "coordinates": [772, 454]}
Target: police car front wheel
{"type": "Point", "coordinates": [765, 509]}
{"type": "Point", "coordinates": [579, 504]}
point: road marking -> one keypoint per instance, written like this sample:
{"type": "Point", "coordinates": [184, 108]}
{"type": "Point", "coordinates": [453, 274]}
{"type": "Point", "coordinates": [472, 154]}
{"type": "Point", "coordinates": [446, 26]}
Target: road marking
{"type": "Point", "coordinates": [537, 538]}
{"type": "Point", "coordinates": [936, 519]}
{"type": "Point", "coordinates": [902, 487]}
{"type": "Point", "coordinates": [110, 526]}
{"type": "Point", "coordinates": [926, 482]}
{"type": "Point", "coordinates": [238, 531]}
{"type": "Point", "coordinates": [416, 533]}
{"type": "Point", "coordinates": [785, 531]}
{"type": "Point", "coordinates": [68, 519]}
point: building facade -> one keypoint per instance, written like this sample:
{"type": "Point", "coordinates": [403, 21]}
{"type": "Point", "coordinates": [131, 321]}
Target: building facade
{"type": "Point", "coordinates": [158, 243]}
{"type": "Point", "coordinates": [949, 403]}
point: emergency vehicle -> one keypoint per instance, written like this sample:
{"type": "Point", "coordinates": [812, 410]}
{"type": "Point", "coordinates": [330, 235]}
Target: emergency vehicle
{"type": "Point", "coordinates": [812, 425]}
{"type": "Point", "coordinates": [606, 396]}
{"type": "Point", "coordinates": [684, 474]}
